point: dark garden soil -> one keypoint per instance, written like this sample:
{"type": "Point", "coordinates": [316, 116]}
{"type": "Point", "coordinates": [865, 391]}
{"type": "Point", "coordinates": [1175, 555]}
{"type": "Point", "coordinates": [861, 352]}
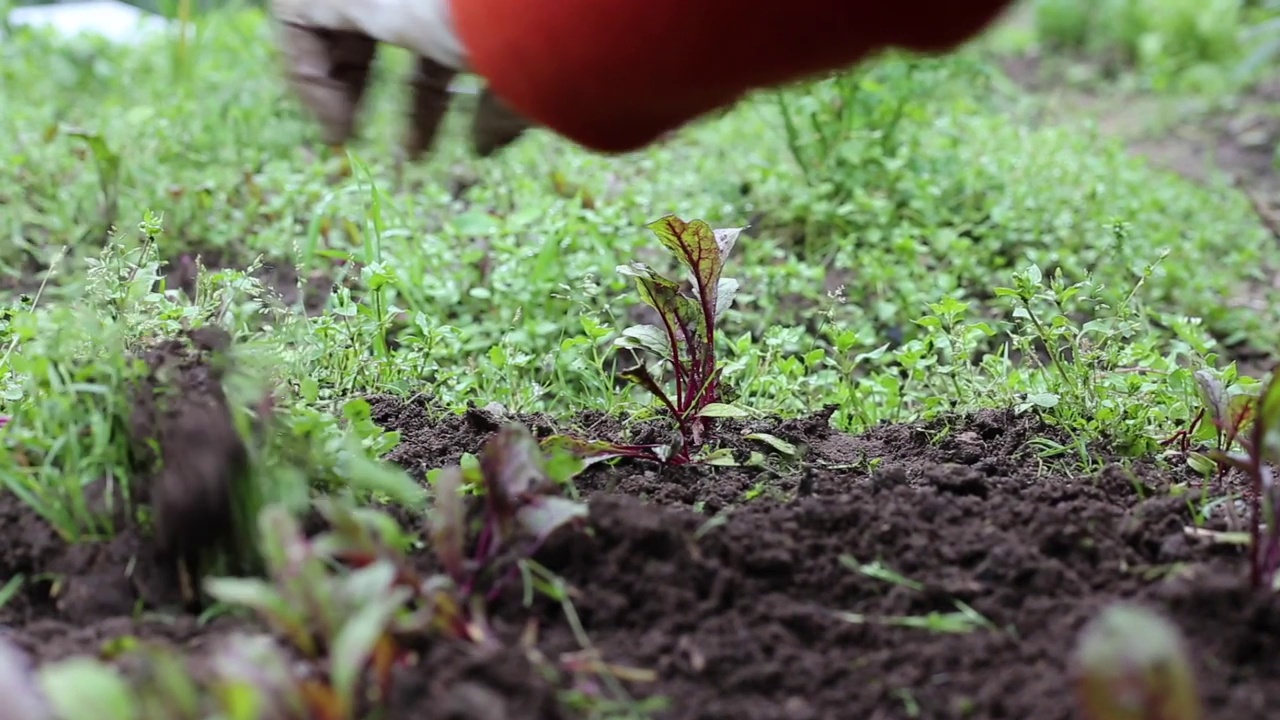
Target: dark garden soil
{"type": "Point", "coordinates": [736, 605]}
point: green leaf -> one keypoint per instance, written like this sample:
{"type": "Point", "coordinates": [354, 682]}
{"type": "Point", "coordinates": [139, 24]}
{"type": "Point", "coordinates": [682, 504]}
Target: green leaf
{"type": "Point", "coordinates": [80, 687]}
{"type": "Point", "coordinates": [1201, 463]}
{"type": "Point", "coordinates": [1213, 394]}
{"type": "Point", "coordinates": [775, 442]}
{"type": "Point", "coordinates": [376, 477]}
{"type": "Point", "coordinates": [282, 539]}
{"type": "Point", "coordinates": [353, 646]}
{"type": "Point", "coordinates": [475, 223]}
{"type": "Point", "coordinates": [646, 337]}
{"type": "Point", "coordinates": [728, 289]}
{"type": "Point", "coordinates": [722, 457]}
{"type": "Point", "coordinates": [366, 584]}
{"type": "Point", "coordinates": [723, 410]}
{"type": "Point", "coordinates": [1268, 416]}
{"type": "Point", "coordinates": [1044, 400]}
{"type": "Point", "coordinates": [257, 595]}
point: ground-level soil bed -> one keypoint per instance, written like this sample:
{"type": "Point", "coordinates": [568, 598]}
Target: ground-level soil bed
{"type": "Point", "coordinates": [737, 605]}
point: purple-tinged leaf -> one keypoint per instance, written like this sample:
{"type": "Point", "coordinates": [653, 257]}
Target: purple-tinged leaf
{"type": "Point", "coordinates": [449, 521]}
{"type": "Point", "coordinates": [640, 376]}
{"type": "Point", "coordinates": [513, 467]}
{"type": "Point", "coordinates": [655, 290]}
{"type": "Point", "coordinates": [695, 245]}
{"type": "Point", "coordinates": [1241, 409]}
{"type": "Point", "coordinates": [4, 420]}
{"type": "Point", "coordinates": [542, 516]}
{"type": "Point", "coordinates": [703, 251]}
{"type": "Point", "coordinates": [1213, 394]}
{"type": "Point", "coordinates": [595, 451]}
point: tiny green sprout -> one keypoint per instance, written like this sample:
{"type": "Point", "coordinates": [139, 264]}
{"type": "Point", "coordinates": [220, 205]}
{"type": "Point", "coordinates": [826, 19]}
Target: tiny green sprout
{"type": "Point", "coordinates": [1131, 664]}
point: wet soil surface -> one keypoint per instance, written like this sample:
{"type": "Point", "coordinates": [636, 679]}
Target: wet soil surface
{"type": "Point", "coordinates": [739, 588]}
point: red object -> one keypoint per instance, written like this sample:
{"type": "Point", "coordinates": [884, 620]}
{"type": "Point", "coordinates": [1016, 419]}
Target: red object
{"type": "Point", "coordinates": [614, 75]}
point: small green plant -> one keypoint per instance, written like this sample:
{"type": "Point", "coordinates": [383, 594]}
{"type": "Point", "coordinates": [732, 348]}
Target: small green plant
{"type": "Point", "coordinates": [1227, 400]}
{"type": "Point", "coordinates": [685, 342]}
{"type": "Point", "coordinates": [521, 508]}
{"type": "Point", "coordinates": [351, 597]}
{"type": "Point", "coordinates": [347, 618]}
{"type": "Point", "coordinates": [1255, 427]}
{"type": "Point", "coordinates": [1131, 664]}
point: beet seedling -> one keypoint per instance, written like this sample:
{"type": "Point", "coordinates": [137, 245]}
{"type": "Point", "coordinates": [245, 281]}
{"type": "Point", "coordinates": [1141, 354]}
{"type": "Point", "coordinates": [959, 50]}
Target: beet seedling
{"type": "Point", "coordinates": [348, 619]}
{"type": "Point", "coordinates": [1256, 429]}
{"type": "Point", "coordinates": [1131, 664]}
{"type": "Point", "coordinates": [1229, 407]}
{"type": "Point", "coordinates": [521, 505]}
{"type": "Point", "coordinates": [685, 342]}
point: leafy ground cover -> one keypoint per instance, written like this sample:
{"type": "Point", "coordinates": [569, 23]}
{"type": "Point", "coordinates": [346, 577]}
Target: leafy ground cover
{"type": "Point", "coordinates": [868, 398]}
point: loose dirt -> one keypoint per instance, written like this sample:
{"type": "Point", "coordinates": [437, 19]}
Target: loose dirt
{"type": "Point", "coordinates": [737, 605]}
{"type": "Point", "coordinates": [740, 587]}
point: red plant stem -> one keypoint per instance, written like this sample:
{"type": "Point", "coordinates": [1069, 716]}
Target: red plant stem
{"type": "Point", "coordinates": [484, 552]}
{"type": "Point", "coordinates": [512, 572]}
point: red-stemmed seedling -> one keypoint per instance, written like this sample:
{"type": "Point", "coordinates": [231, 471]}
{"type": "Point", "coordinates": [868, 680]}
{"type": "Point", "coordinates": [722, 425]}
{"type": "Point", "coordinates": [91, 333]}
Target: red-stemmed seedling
{"type": "Point", "coordinates": [1256, 429]}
